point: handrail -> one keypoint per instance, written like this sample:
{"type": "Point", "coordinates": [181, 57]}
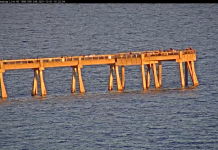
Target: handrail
{"type": "Point", "coordinates": [99, 57]}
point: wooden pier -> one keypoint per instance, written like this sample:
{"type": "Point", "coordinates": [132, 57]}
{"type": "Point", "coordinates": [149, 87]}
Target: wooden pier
{"type": "Point", "coordinates": [151, 59]}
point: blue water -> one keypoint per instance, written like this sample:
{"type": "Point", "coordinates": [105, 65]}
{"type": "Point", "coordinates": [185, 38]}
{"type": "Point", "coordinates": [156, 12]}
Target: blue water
{"type": "Point", "coordinates": [166, 118]}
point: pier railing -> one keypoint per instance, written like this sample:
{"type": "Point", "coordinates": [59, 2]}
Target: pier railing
{"type": "Point", "coordinates": [97, 57]}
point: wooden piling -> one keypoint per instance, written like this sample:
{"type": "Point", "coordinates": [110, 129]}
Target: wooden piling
{"type": "Point", "coordinates": [123, 76]}
{"type": "Point", "coordinates": [73, 86]}
{"type": "Point", "coordinates": [191, 69]}
{"type": "Point", "coordinates": [81, 85]}
{"type": "Point", "coordinates": [110, 83]}
{"type": "Point", "coordinates": [181, 75]}
{"type": "Point", "coordinates": [186, 74]}
{"type": "Point", "coordinates": [143, 71]}
{"type": "Point", "coordinates": [3, 89]}
{"type": "Point", "coordinates": [155, 75]}
{"type": "Point", "coordinates": [34, 85]}
{"type": "Point", "coordinates": [160, 73]}
{"type": "Point", "coordinates": [42, 83]}
{"type": "Point", "coordinates": [143, 76]}
{"type": "Point", "coordinates": [148, 75]}
{"type": "Point", "coordinates": [119, 85]}
{"type": "Point", "coordinates": [195, 80]}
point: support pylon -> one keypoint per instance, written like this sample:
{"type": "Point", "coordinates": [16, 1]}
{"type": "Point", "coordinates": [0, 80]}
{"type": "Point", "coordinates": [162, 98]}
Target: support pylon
{"type": "Point", "coordinates": [186, 74]}
{"type": "Point", "coordinates": [123, 76]}
{"type": "Point", "coordinates": [148, 75]}
{"type": "Point", "coordinates": [119, 85]}
{"type": "Point", "coordinates": [181, 75]}
{"type": "Point", "coordinates": [35, 86]}
{"type": "Point", "coordinates": [191, 69]}
{"type": "Point", "coordinates": [110, 83]}
{"type": "Point", "coordinates": [42, 83]}
{"type": "Point", "coordinates": [143, 71]}
{"type": "Point", "coordinates": [73, 87]}
{"type": "Point", "coordinates": [3, 89]}
{"type": "Point", "coordinates": [81, 85]}
{"type": "Point", "coordinates": [160, 73]}
{"type": "Point", "coordinates": [155, 75]}
{"type": "Point", "coordinates": [195, 79]}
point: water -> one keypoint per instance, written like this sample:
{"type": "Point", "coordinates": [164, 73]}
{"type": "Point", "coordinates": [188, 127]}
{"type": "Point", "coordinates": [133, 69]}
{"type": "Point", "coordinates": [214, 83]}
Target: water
{"type": "Point", "coordinates": [166, 118]}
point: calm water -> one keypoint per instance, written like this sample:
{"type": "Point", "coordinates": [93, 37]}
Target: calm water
{"type": "Point", "coordinates": [166, 118]}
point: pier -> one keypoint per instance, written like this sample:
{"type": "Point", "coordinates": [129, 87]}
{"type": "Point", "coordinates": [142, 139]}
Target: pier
{"type": "Point", "coordinates": [150, 59]}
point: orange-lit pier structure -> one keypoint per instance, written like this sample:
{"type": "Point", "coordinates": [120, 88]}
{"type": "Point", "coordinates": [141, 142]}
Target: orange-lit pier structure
{"type": "Point", "coordinates": [149, 58]}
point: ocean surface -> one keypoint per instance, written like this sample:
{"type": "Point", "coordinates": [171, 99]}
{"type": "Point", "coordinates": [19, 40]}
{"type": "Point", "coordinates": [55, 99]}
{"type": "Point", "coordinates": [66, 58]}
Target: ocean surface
{"type": "Point", "coordinates": [166, 118]}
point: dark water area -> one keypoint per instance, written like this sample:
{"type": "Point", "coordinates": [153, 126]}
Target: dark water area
{"type": "Point", "coordinates": [166, 118]}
